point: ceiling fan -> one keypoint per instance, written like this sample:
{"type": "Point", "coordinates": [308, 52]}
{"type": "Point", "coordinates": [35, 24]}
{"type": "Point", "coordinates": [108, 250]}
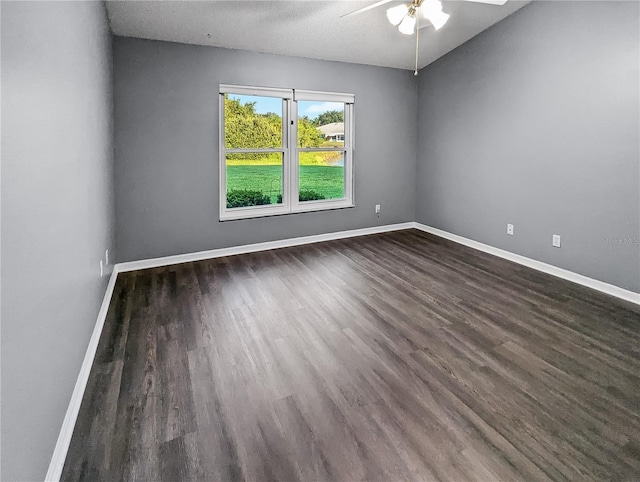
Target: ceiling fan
{"type": "Point", "coordinates": [406, 16]}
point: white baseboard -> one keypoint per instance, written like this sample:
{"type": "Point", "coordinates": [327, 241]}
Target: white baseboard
{"type": "Point", "coordinates": [607, 288]}
{"type": "Point", "coordinates": [253, 248]}
{"type": "Point", "coordinates": [68, 424]}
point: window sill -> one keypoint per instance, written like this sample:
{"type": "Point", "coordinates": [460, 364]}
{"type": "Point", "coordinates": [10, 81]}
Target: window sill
{"type": "Point", "coordinates": [255, 213]}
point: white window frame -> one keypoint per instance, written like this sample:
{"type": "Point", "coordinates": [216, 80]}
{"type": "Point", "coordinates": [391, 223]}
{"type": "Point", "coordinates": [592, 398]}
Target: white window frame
{"type": "Point", "coordinates": [290, 152]}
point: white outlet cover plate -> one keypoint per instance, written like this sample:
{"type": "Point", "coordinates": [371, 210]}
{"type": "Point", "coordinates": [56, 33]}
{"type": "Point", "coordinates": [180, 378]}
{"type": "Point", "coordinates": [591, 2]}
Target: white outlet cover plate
{"type": "Point", "coordinates": [556, 240]}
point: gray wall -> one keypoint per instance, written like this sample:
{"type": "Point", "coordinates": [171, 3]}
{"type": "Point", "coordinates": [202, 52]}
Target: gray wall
{"type": "Point", "coordinates": [535, 122]}
{"type": "Point", "coordinates": [166, 118]}
{"type": "Point", "coordinates": [57, 156]}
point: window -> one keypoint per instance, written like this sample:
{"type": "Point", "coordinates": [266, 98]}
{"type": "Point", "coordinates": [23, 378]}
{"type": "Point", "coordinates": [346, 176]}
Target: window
{"type": "Point", "coordinates": [284, 151]}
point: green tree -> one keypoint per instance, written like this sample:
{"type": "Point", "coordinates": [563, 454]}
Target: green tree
{"type": "Point", "coordinates": [244, 128]}
{"type": "Point", "coordinates": [329, 117]}
{"type": "Point", "coordinates": [308, 134]}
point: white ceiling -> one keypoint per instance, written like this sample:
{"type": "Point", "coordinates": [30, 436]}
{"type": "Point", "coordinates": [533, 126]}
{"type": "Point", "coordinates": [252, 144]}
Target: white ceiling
{"type": "Point", "coordinates": [311, 29]}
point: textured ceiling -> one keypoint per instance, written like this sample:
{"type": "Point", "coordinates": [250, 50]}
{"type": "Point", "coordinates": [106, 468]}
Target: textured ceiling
{"type": "Point", "coordinates": [311, 29]}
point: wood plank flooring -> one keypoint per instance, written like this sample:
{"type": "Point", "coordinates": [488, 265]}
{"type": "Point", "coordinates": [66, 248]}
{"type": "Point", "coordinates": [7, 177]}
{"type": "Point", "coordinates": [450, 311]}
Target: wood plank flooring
{"type": "Point", "coordinates": [399, 356]}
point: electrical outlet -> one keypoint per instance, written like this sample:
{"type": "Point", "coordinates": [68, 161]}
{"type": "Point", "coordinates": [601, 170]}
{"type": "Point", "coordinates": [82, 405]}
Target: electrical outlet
{"type": "Point", "coordinates": [556, 240]}
{"type": "Point", "coordinates": [101, 269]}
{"type": "Point", "coordinates": [510, 229]}
{"type": "Point", "coordinates": [377, 208]}
{"type": "Point", "coordinates": [106, 257]}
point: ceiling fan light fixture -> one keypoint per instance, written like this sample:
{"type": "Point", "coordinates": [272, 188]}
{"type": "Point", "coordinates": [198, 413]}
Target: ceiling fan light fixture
{"type": "Point", "coordinates": [408, 25]}
{"type": "Point", "coordinates": [432, 11]}
{"type": "Point", "coordinates": [396, 14]}
{"type": "Point", "coordinates": [438, 19]}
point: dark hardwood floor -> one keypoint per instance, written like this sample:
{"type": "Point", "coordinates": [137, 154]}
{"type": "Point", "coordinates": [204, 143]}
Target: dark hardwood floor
{"type": "Point", "coordinates": [389, 357]}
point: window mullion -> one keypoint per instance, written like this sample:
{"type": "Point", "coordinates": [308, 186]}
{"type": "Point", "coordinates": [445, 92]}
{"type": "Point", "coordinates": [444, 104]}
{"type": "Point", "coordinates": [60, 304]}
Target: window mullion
{"type": "Point", "coordinates": [293, 155]}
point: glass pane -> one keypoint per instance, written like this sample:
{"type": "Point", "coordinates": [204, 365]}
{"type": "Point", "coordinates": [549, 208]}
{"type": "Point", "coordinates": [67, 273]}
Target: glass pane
{"type": "Point", "coordinates": [320, 124]}
{"type": "Point", "coordinates": [254, 179]}
{"type": "Point", "coordinates": [321, 175]}
{"type": "Point", "coordinates": [252, 122]}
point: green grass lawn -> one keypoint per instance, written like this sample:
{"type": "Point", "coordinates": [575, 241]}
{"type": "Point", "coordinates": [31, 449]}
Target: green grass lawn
{"type": "Point", "coordinates": [326, 180]}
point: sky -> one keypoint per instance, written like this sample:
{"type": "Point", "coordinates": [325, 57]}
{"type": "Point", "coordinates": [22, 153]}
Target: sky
{"type": "Point", "coordinates": [273, 104]}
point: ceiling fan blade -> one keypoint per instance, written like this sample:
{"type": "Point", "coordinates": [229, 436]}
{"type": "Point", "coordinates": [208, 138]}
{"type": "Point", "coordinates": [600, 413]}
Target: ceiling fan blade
{"type": "Point", "coordinates": [490, 2]}
{"type": "Point", "coordinates": [368, 7]}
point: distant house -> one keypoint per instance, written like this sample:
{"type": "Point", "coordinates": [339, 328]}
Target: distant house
{"type": "Point", "coordinates": [333, 131]}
